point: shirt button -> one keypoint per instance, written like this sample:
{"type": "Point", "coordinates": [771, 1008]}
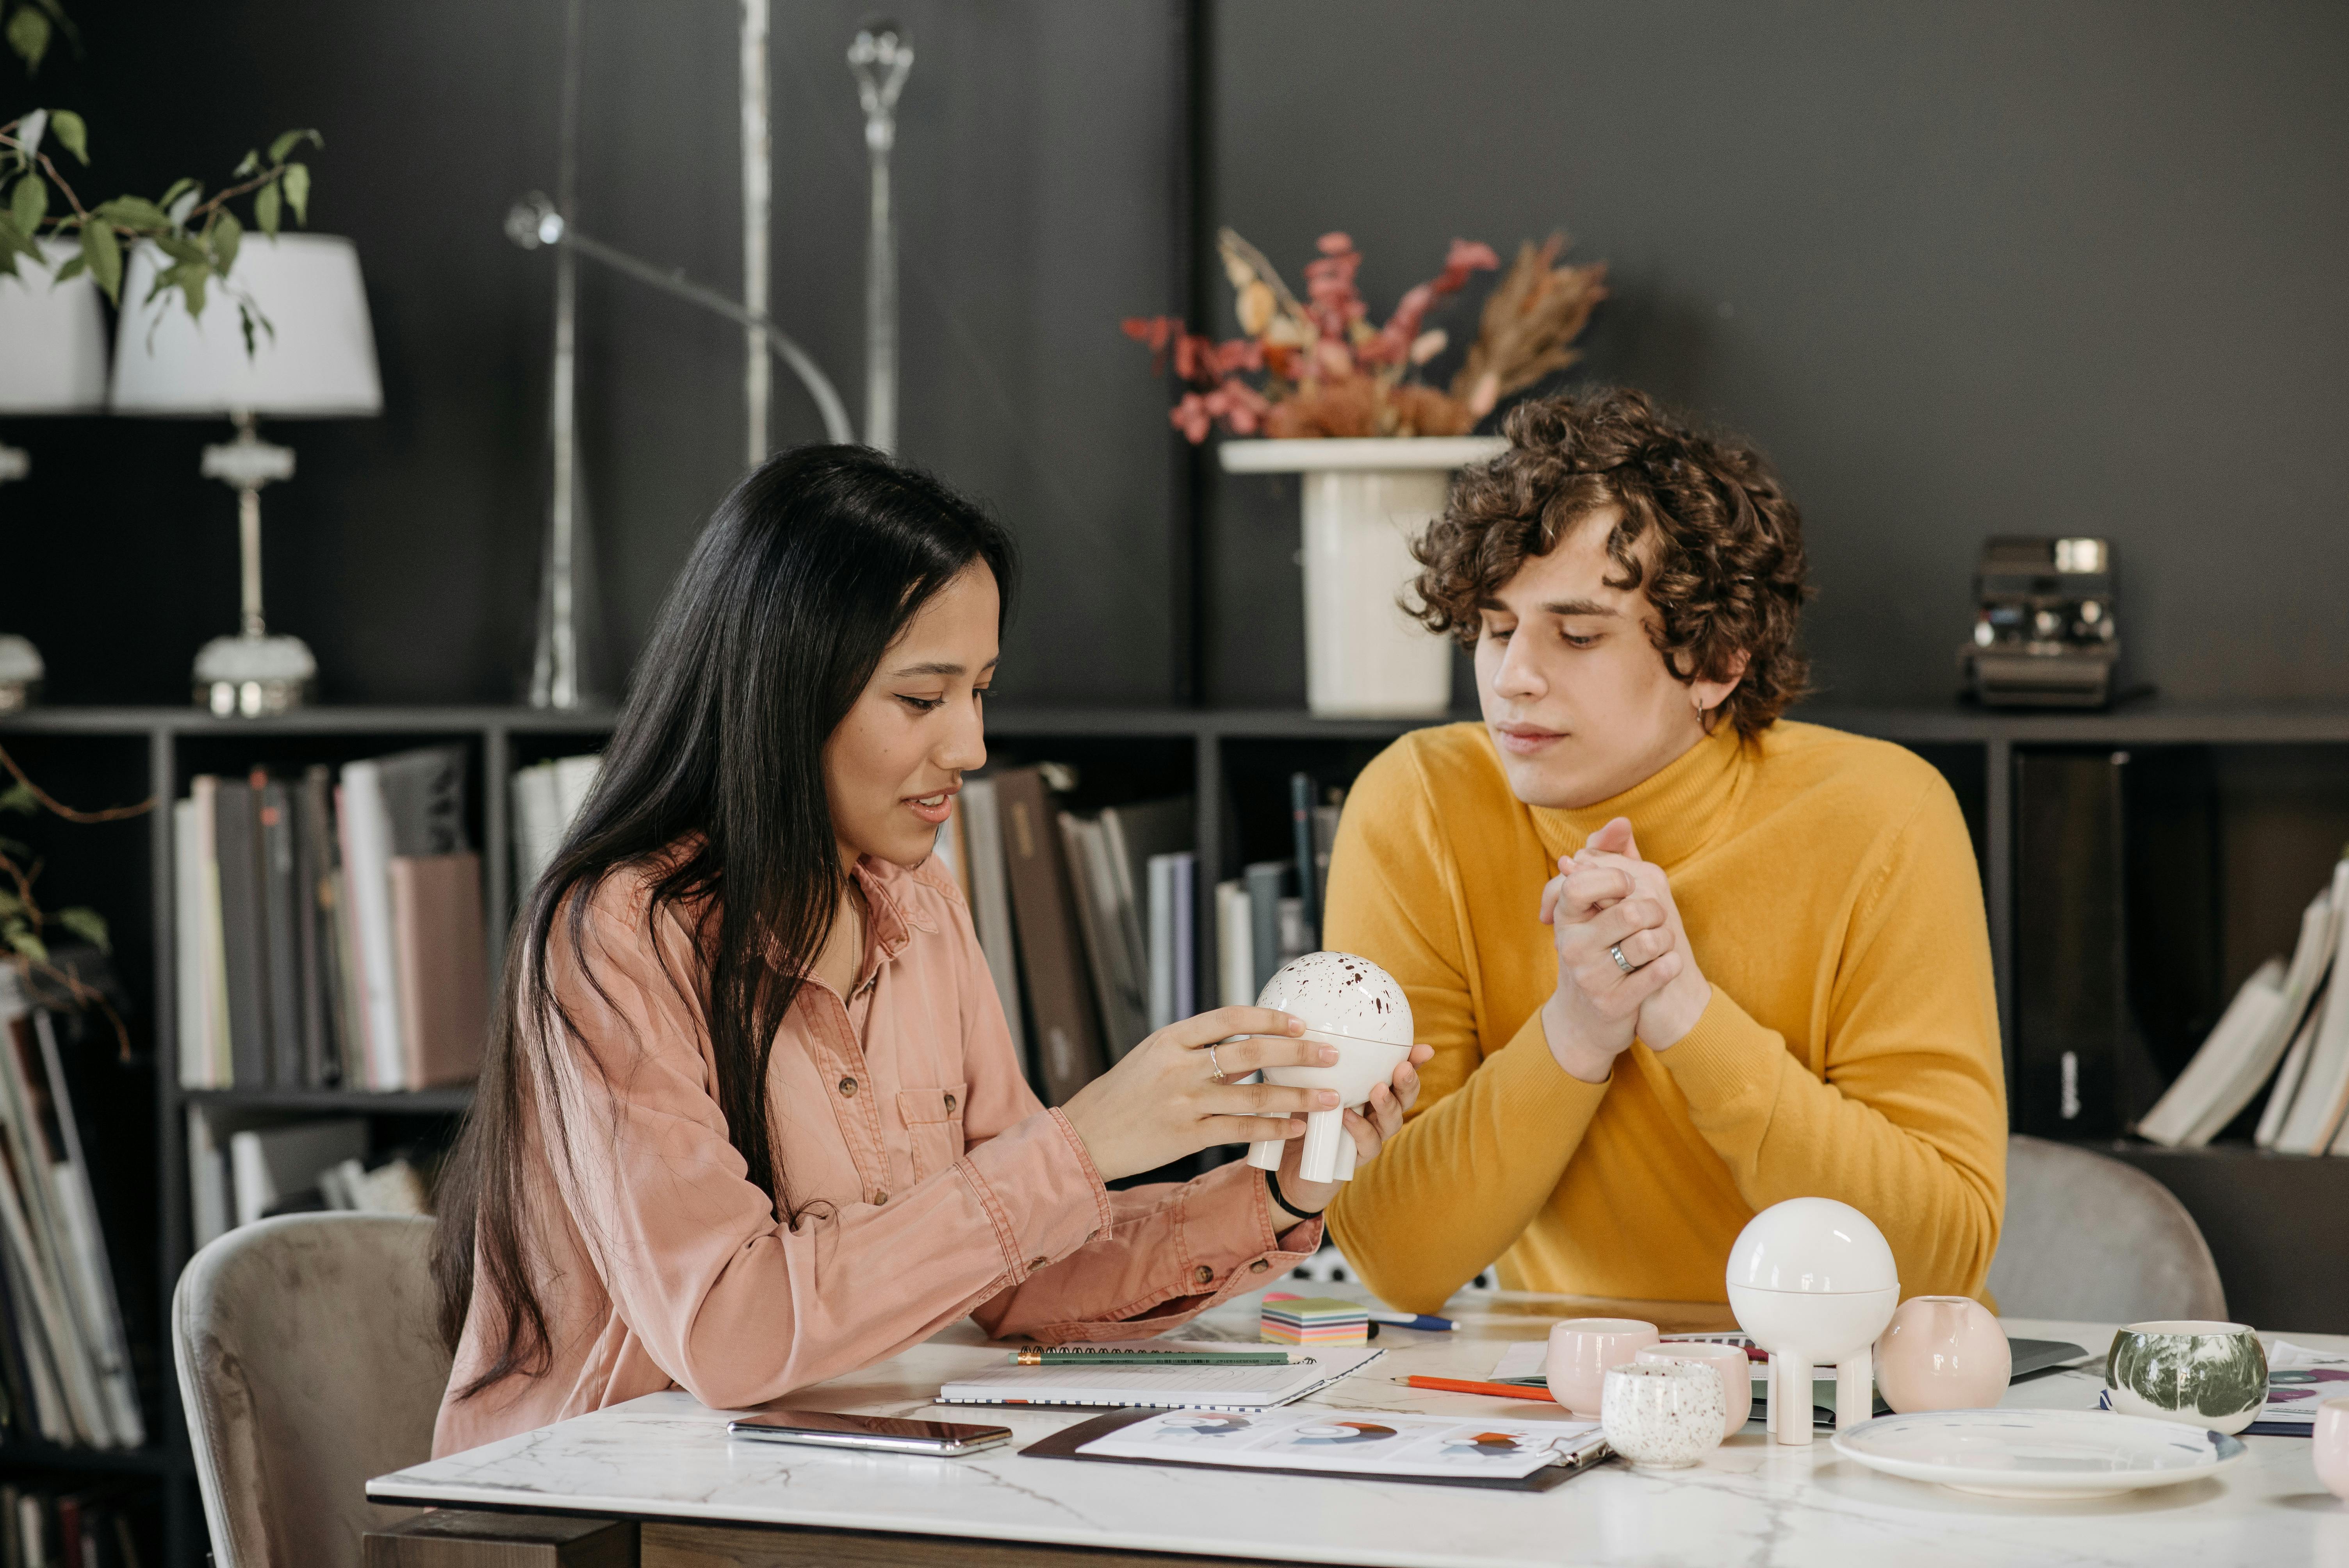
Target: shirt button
{"type": "Point", "coordinates": [879, 1197]}
{"type": "Point", "coordinates": [1202, 1273]}
{"type": "Point", "coordinates": [1035, 1263]}
{"type": "Point", "coordinates": [848, 1087]}
{"type": "Point", "coordinates": [950, 1105]}
{"type": "Point", "coordinates": [1258, 1266]}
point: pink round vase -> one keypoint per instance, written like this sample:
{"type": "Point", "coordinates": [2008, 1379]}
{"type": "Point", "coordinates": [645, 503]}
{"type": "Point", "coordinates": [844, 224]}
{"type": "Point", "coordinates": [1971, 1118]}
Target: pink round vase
{"type": "Point", "coordinates": [2331, 1446]}
{"type": "Point", "coordinates": [1581, 1349]}
{"type": "Point", "coordinates": [1942, 1353]}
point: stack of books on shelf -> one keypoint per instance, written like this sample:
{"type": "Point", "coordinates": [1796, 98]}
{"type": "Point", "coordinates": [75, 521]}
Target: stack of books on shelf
{"type": "Point", "coordinates": [2288, 1027]}
{"type": "Point", "coordinates": [1088, 920]}
{"type": "Point", "coordinates": [1272, 911]}
{"type": "Point", "coordinates": [244, 1166]}
{"type": "Point", "coordinates": [112, 1525]}
{"type": "Point", "coordinates": [65, 1362]}
{"type": "Point", "coordinates": [546, 800]}
{"type": "Point", "coordinates": [329, 927]}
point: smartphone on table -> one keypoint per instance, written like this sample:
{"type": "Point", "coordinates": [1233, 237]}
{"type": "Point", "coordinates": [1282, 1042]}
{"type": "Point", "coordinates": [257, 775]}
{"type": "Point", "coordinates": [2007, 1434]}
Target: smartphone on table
{"type": "Point", "coordinates": [884, 1434]}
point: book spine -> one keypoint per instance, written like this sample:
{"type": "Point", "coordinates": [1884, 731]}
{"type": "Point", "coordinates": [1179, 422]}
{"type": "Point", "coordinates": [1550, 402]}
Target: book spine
{"type": "Point", "coordinates": [281, 904]}
{"type": "Point", "coordinates": [990, 911]}
{"type": "Point", "coordinates": [237, 825]}
{"type": "Point", "coordinates": [322, 916]}
{"type": "Point", "coordinates": [1265, 881]}
{"type": "Point", "coordinates": [1301, 833]}
{"type": "Point", "coordinates": [436, 915]}
{"type": "Point", "coordinates": [1162, 958]}
{"type": "Point", "coordinates": [191, 1012]}
{"type": "Point", "coordinates": [1235, 945]}
{"type": "Point", "coordinates": [367, 884]}
{"type": "Point", "coordinates": [205, 789]}
{"type": "Point", "coordinates": [1067, 1037]}
{"type": "Point", "coordinates": [1186, 932]}
{"type": "Point", "coordinates": [310, 954]}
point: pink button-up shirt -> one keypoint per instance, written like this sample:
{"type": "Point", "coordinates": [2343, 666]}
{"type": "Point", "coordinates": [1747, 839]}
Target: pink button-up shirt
{"type": "Point", "coordinates": [930, 1182]}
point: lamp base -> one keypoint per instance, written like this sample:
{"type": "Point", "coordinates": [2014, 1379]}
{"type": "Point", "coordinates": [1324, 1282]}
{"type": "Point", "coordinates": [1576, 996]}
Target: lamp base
{"type": "Point", "coordinates": [256, 675]}
{"type": "Point", "coordinates": [21, 672]}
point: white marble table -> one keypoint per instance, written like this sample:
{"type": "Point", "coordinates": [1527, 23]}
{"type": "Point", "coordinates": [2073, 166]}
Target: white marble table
{"type": "Point", "coordinates": [666, 1457]}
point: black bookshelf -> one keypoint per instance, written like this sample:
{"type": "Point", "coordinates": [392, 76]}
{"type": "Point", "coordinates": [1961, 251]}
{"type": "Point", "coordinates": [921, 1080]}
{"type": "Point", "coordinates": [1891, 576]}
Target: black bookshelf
{"type": "Point", "coordinates": [2265, 1208]}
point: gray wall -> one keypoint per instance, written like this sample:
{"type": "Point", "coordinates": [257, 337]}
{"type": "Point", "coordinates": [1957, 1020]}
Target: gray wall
{"type": "Point", "coordinates": [1039, 193]}
{"type": "Point", "coordinates": [1960, 269]}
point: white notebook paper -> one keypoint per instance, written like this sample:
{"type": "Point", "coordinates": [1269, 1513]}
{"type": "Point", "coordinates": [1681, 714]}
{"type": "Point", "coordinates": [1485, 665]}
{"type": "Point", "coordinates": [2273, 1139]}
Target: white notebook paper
{"type": "Point", "coordinates": [1161, 1388]}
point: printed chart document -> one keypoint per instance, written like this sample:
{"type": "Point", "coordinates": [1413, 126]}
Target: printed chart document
{"type": "Point", "coordinates": [1354, 1441]}
{"type": "Point", "coordinates": [1160, 1387]}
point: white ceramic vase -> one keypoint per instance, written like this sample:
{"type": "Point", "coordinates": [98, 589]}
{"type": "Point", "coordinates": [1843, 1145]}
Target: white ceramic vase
{"type": "Point", "coordinates": [1364, 501]}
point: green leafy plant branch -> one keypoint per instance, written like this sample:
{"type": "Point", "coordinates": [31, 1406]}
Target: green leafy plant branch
{"type": "Point", "coordinates": [198, 237]}
{"type": "Point", "coordinates": [25, 926]}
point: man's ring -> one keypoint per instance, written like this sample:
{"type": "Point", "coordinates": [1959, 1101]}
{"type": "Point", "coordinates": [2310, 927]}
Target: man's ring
{"type": "Point", "coordinates": [1218, 1066]}
{"type": "Point", "coordinates": [1625, 964]}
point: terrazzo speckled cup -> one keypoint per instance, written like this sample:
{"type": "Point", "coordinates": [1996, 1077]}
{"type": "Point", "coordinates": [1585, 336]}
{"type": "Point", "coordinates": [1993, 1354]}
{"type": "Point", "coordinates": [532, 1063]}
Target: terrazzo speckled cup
{"type": "Point", "coordinates": [1665, 1415]}
{"type": "Point", "coordinates": [1729, 1362]}
{"type": "Point", "coordinates": [2202, 1374]}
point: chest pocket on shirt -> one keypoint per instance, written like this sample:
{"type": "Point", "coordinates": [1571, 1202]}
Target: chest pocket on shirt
{"type": "Point", "coordinates": [932, 1119]}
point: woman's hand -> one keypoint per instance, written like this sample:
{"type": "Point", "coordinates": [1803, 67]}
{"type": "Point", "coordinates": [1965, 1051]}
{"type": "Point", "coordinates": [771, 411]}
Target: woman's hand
{"type": "Point", "coordinates": [1377, 1119]}
{"type": "Point", "coordinates": [1164, 1100]}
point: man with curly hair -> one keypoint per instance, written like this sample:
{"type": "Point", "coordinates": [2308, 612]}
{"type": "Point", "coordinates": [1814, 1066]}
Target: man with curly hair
{"type": "Point", "coordinates": [1679, 958]}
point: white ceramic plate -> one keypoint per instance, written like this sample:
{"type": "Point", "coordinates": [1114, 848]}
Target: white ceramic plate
{"type": "Point", "coordinates": [2037, 1453]}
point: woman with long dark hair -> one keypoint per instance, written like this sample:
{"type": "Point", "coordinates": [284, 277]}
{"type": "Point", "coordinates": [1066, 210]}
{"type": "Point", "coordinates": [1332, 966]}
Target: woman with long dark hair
{"type": "Point", "coordinates": [751, 1115]}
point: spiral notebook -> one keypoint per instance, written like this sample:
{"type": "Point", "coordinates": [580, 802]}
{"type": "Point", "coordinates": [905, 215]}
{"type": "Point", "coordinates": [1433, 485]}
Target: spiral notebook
{"type": "Point", "coordinates": [1160, 1387]}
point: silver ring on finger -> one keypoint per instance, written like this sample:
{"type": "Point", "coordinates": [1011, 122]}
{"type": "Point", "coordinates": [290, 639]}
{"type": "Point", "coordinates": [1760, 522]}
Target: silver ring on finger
{"type": "Point", "coordinates": [1625, 964]}
{"type": "Point", "coordinates": [1216, 1066]}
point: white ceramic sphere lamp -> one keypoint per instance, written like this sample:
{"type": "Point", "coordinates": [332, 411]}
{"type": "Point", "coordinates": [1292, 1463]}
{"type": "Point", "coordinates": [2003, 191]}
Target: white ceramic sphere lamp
{"type": "Point", "coordinates": [317, 363]}
{"type": "Point", "coordinates": [1352, 1003]}
{"type": "Point", "coordinates": [53, 335]}
{"type": "Point", "coordinates": [1813, 1280]}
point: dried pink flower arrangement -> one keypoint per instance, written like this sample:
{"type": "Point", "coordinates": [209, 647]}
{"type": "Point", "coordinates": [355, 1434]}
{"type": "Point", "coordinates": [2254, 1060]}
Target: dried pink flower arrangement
{"type": "Point", "coordinates": [1328, 371]}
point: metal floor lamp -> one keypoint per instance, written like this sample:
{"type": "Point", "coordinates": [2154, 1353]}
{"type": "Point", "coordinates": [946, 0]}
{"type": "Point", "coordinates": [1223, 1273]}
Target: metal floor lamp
{"type": "Point", "coordinates": [880, 57]}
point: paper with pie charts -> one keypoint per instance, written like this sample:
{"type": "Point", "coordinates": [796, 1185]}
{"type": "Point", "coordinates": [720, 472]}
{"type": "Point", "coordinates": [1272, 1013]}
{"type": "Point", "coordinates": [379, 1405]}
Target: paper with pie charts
{"type": "Point", "coordinates": [1365, 1443]}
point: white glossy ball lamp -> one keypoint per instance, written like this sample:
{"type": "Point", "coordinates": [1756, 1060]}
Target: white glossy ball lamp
{"type": "Point", "coordinates": [1813, 1280]}
{"type": "Point", "coordinates": [1351, 1003]}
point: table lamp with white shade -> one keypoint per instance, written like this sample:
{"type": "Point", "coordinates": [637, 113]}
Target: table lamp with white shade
{"type": "Point", "coordinates": [55, 363]}
{"type": "Point", "coordinates": [317, 361]}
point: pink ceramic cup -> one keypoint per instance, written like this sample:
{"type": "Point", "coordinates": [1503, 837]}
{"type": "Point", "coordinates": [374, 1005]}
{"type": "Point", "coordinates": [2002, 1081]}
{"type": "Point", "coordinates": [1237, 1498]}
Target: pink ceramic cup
{"type": "Point", "coordinates": [2331, 1446]}
{"type": "Point", "coordinates": [1942, 1353]}
{"type": "Point", "coordinates": [1735, 1368]}
{"type": "Point", "coordinates": [1580, 1351]}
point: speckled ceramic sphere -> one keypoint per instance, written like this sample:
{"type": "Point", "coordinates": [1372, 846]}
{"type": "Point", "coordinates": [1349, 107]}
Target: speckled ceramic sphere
{"type": "Point", "coordinates": [1351, 1003]}
{"type": "Point", "coordinates": [1665, 1415]}
{"type": "Point", "coordinates": [2208, 1375]}
{"type": "Point", "coordinates": [1341, 994]}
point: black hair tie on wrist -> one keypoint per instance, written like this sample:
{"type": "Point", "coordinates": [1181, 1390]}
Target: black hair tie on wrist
{"type": "Point", "coordinates": [1273, 1182]}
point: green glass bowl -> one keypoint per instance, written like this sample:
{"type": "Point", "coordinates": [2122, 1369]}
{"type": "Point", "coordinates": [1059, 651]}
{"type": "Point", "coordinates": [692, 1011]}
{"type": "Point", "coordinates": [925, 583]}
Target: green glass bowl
{"type": "Point", "coordinates": [2208, 1375]}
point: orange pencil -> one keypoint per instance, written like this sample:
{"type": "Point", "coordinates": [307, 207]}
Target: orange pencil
{"type": "Point", "coordinates": [1466, 1386]}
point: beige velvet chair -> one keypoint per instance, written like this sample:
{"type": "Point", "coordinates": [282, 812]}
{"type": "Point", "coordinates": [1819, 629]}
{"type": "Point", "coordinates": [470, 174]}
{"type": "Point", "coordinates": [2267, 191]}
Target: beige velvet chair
{"type": "Point", "coordinates": [2092, 1239]}
{"type": "Point", "coordinates": [308, 1363]}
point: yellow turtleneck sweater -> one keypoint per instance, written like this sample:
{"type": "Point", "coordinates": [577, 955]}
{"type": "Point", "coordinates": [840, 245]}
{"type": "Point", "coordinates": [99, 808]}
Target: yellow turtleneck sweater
{"type": "Point", "coordinates": [1850, 1049]}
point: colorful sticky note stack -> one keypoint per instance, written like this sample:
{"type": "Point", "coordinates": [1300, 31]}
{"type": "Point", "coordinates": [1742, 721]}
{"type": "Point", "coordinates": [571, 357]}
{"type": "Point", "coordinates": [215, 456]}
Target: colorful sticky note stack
{"type": "Point", "coordinates": [1314, 1320]}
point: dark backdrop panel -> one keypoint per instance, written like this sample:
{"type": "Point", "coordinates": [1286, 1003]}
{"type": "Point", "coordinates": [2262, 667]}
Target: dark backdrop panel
{"type": "Point", "coordinates": [1038, 175]}
{"type": "Point", "coordinates": [1961, 269]}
